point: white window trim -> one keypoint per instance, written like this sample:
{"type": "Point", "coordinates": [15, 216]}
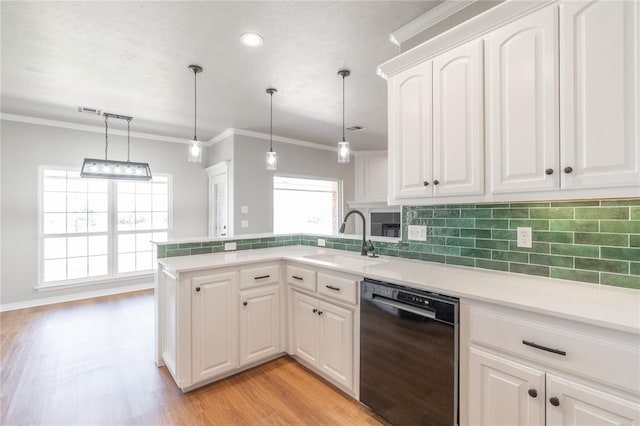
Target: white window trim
{"type": "Point", "coordinates": [112, 235]}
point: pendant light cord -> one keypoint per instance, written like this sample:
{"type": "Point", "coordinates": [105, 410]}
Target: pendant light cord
{"type": "Point", "coordinates": [343, 139]}
{"type": "Point", "coordinates": [195, 104]}
{"type": "Point", "coordinates": [271, 124]}
{"type": "Point", "coordinates": [106, 138]}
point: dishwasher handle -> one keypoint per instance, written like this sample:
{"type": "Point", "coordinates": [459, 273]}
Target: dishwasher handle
{"type": "Point", "coordinates": [423, 313]}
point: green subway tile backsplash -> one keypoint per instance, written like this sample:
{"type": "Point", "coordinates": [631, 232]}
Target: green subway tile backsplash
{"type": "Point", "coordinates": [588, 241]}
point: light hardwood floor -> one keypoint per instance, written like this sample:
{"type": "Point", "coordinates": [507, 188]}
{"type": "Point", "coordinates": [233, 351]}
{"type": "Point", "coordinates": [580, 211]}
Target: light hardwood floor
{"type": "Point", "coordinates": [91, 362]}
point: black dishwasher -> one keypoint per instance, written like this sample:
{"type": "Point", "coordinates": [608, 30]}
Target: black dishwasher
{"type": "Point", "coordinates": [408, 354]}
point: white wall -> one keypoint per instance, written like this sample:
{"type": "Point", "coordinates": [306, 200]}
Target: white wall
{"type": "Point", "coordinates": [24, 147]}
{"type": "Point", "coordinates": [253, 184]}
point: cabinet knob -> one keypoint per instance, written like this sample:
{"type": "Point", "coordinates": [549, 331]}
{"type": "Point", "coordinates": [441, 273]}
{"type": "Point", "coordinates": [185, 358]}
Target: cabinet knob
{"type": "Point", "coordinates": [548, 171]}
{"type": "Point", "coordinates": [244, 303]}
{"type": "Point", "coordinates": [533, 393]}
{"type": "Point", "coordinates": [315, 310]}
{"type": "Point", "coordinates": [554, 401]}
{"type": "Point", "coordinates": [568, 169]}
{"type": "Point", "coordinates": [425, 183]}
{"type": "Point", "coordinates": [319, 312]}
{"type": "Point", "coordinates": [435, 182]}
{"type": "Point", "coordinates": [197, 288]}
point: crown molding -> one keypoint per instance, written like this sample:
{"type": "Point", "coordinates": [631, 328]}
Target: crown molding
{"type": "Point", "coordinates": [86, 128]}
{"type": "Point", "coordinates": [428, 20]}
{"type": "Point", "coordinates": [249, 133]}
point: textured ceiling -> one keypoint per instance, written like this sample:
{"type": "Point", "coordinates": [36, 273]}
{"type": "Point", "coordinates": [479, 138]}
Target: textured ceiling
{"type": "Point", "coordinates": [131, 58]}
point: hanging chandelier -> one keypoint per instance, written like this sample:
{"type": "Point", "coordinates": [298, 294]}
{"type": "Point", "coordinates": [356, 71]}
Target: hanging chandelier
{"type": "Point", "coordinates": [271, 157]}
{"type": "Point", "coordinates": [344, 153]}
{"type": "Point", "coordinates": [194, 154]}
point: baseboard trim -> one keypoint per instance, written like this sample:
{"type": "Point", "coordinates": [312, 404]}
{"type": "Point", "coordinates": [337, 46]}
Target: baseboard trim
{"type": "Point", "coordinates": [76, 296]}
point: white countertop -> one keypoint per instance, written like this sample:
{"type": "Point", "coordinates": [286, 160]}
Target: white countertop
{"type": "Point", "coordinates": [271, 235]}
{"type": "Point", "coordinates": [612, 307]}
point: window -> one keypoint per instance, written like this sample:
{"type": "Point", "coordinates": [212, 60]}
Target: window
{"type": "Point", "coordinates": [86, 221]}
{"type": "Point", "coordinates": [305, 205]}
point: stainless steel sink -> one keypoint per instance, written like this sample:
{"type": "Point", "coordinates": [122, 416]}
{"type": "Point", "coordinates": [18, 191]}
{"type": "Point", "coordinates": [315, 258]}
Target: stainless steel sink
{"type": "Point", "coordinates": [346, 259]}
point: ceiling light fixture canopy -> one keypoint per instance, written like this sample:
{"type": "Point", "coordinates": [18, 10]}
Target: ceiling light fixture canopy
{"type": "Point", "coordinates": [110, 169]}
{"type": "Point", "coordinates": [251, 39]}
{"type": "Point", "coordinates": [344, 153]}
{"type": "Point", "coordinates": [271, 157]}
{"type": "Point", "coordinates": [194, 154]}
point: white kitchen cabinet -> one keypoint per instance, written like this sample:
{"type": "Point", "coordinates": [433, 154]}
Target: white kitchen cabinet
{"type": "Point", "coordinates": [458, 121]}
{"type": "Point", "coordinates": [259, 324]}
{"type": "Point", "coordinates": [323, 337]}
{"type": "Point", "coordinates": [410, 122]}
{"type": "Point", "coordinates": [521, 60]}
{"type": "Point", "coordinates": [600, 93]}
{"type": "Point", "coordinates": [214, 325]}
{"type": "Point", "coordinates": [371, 176]}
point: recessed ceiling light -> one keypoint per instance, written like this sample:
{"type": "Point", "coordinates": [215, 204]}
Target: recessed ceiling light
{"type": "Point", "coordinates": [251, 39]}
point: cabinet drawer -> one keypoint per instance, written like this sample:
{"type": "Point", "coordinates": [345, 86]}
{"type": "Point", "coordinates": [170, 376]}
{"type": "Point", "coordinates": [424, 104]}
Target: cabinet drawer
{"type": "Point", "coordinates": [337, 287]}
{"type": "Point", "coordinates": [262, 275]}
{"type": "Point", "coordinates": [301, 277]}
{"type": "Point", "coordinates": [597, 353]}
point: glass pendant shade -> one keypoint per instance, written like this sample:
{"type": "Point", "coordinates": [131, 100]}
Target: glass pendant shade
{"type": "Point", "coordinates": [344, 153]}
{"type": "Point", "coordinates": [271, 161]}
{"type": "Point", "coordinates": [195, 151]}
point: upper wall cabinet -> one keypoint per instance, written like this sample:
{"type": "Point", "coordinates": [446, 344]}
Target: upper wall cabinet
{"type": "Point", "coordinates": [522, 103]}
{"type": "Point", "coordinates": [410, 133]}
{"type": "Point", "coordinates": [600, 93]}
{"type": "Point", "coordinates": [371, 176]}
{"type": "Point", "coordinates": [435, 127]}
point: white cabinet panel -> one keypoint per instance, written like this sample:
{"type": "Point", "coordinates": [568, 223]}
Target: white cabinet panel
{"type": "Point", "coordinates": [259, 324]}
{"type": "Point", "coordinates": [214, 325]}
{"type": "Point", "coordinates": [600, 93]}
{"type": "Point", "coordinates": [458, 151]}
{"type": "Point", "coordinates": [410, 118]}
{"type": "Point", "coordinates": [522, 103]}
{"type": "Point", "coordinates": [336, 343]}
{"type": "Point", "coordinates": [501, 391]}
{"type": "Point", "coordinates": [578, 405]}
{"type": "Point", "coordinates": [371, 176]}
{"type": "Point", "coordinates": [305, 328]}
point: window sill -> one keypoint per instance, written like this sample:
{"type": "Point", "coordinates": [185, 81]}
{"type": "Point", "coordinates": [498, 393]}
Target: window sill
{"type": "Point", "coordinates": [137, 278]}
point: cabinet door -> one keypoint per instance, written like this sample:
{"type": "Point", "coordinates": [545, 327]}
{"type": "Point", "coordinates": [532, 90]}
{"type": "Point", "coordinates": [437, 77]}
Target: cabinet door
{"type": "Point", "coordinates": [499, 391]}
{"type": "Point", "coordinates": [259, 324]}
{"type": "Point", "coordinates": [305, 328]}
{"type": "Point", "coordinates": [410, 133]}
{"type": "Point", "coordinates": [371, 176]}
{"type": "Point", "coordinates": [214, 325]}
{"type": "Point", "coordinates": [600, 93]}
{"type": "Point", "coordinates": [522, 103]}
{"type": "Point", "coordinates": [578, 405]}
{"type": "Point", "coordinates": [458, 154]}
{"type": "Point", "coordinates": [336, 343]}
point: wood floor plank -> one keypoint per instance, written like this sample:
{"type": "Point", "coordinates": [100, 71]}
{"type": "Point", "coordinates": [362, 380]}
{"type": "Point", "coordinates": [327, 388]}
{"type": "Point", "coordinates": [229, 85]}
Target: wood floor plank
{"type": "Point", "coordinates": [90, 362]}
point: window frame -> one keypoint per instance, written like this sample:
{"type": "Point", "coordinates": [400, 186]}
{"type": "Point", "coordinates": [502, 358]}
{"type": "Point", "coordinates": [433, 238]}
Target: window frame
{"type": "Point", "coordinates": [339, 181]}
{"type": "Point", "coordinates": [112, 236]}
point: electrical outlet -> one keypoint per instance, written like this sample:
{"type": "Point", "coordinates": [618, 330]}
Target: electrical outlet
{"type": "Point", "coordinates": [229, 246]}
{"type": "Point", "coordinates": [417, 232]}
{"type": "Point", "coordinates": [524, 237]}
{"type": "Point", "coordinates": [244, 223]}
{"type": "Point", "coordinates": [244, 209]}
{"type": "Point", "coordinates": [321, 242]}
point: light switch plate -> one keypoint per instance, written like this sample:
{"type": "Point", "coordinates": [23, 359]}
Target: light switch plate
{"type": "Point", "coordinates": [524, 237]}
{"type": "Point", "coordinates": [244, 209]}
{"type": "Point", "coordinates": [321, 242]}
{"type": "Point", "coordinates": [244, 223]}
{"type": "Point", "coordinates": [229, 246]}
{"type": "Point", "coordinates": [417, 232]}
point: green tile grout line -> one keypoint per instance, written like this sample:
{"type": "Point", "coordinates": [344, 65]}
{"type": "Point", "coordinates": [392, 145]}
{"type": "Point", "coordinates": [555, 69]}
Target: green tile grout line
{"type": "Point", "coordinates": [595, 241]}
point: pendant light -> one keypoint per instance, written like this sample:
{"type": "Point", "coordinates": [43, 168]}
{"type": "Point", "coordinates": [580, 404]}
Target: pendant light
{"type": "Point", "coordinates": [195, 146]}
{"type": "Point", "coordinates": [271, 157]}
{"type": "Point", "coordinates": [344, 154]}
{"type": "Point", "coordinates": [110, 169]}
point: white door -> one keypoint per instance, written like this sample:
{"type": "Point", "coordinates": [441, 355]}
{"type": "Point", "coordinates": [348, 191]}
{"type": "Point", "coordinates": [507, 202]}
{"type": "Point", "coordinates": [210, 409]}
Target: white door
{"type": "Point", "coordinates": [305, 328]}
{"type": "Point", "coordinates": [259, 324]}
{"type": "Point", "coordinates": [214, 325]}
{"type": "Point", "coordinates": [522, 103]}
{"type": "Point", "coordinates": [410, 156]}
{"type": "Point", "coordinates": [458, 152]}
{"type": "Point", "coordinates": [336, 343]}
{"type": "Point", "coordinates": [600, 93]}
{"type": "Point", "coordinates": [501, 392]}
{"type": "Point", "coordinates": [578, 405]}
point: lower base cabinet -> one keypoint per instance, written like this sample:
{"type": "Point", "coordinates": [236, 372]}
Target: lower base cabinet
{"type": "Point", "coordinates": [323, 337]}
{"type": "Point", "coordinates": [259, 324]}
